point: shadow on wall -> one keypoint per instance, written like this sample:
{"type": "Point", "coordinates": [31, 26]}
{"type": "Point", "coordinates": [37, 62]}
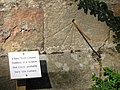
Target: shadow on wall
{"type": "Point", "coordinates": [7, 84]}
{"type": "Point", "coordinates": [38, 83]}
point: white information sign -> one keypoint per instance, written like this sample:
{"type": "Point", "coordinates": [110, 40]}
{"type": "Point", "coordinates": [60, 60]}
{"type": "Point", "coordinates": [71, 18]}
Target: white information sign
{"type": "Point", "coordinates": [24, 64]}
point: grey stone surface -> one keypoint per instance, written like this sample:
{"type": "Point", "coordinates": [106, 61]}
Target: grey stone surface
{"type": "Point", "coordinates": [5, 82]}
{"type": "Point", "coordinates": [56, 33]}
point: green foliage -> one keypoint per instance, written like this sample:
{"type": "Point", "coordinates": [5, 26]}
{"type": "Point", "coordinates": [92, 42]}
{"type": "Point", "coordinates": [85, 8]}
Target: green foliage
{"type": "Point", "coordinates": [100, 10]}
{"type": "Point", "coordinates": [118, 47]}
{"type": "Point", "coordinates": [111, 82]}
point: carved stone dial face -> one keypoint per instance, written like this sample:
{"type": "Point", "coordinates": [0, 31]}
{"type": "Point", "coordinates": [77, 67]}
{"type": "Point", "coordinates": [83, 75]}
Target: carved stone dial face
{"type": "Point", "coordinates": [61, 35]}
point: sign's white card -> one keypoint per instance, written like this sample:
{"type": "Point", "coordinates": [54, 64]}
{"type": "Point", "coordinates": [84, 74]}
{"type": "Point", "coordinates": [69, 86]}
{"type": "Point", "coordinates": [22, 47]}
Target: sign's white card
{"type": "Point", "coordinates": [24, 65]}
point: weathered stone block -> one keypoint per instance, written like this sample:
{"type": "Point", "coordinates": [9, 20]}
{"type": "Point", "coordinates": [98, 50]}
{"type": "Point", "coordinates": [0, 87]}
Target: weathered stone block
{"type": "Point", "coordinates": [116, 9]}
{"type": "Point", "coordinates": [25, 26]}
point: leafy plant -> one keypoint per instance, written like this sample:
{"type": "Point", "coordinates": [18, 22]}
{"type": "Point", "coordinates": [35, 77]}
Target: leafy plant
{"type": "Point", "coordinates": [111, 82]}
{"type": "Point", "coordinates": [100, 9]}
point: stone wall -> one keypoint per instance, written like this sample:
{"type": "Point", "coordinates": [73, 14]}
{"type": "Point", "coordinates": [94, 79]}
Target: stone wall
{"type": "Point", "coordinates": [46, 26]}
